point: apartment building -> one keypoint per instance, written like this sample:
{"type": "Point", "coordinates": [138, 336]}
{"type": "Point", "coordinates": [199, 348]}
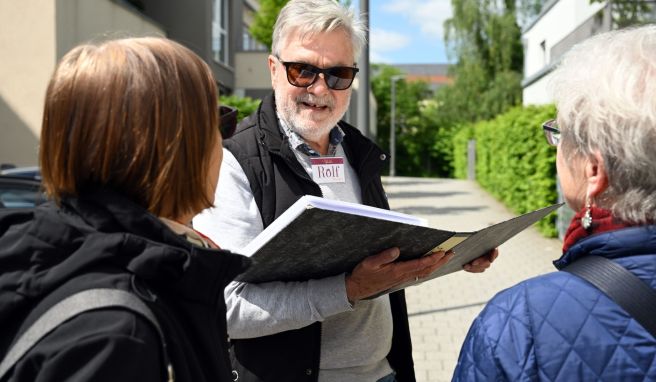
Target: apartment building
{"type": "Point", "coordinates": [562, 24]}
{"type": "Point", "coordinates": [35, 34]}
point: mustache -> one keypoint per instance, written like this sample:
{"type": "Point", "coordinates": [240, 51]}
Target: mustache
{"type": "Point", "coordinates": [319, 101]}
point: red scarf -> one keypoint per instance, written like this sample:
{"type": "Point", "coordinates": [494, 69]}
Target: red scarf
{"type": "Point", "coordinates": [210, 242]}
{"type": "Point", "coordinates": [602, 221]}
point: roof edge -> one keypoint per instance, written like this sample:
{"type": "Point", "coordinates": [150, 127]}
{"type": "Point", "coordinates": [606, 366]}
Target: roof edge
{"type": "Point", "coordinates": [545, 9]}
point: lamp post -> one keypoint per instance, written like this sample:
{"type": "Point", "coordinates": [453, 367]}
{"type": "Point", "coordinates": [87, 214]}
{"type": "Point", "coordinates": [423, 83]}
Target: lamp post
{"type": "Point", "coordinates": [393, 79]}
{"type": "Point", "coordinates": [363, 79]}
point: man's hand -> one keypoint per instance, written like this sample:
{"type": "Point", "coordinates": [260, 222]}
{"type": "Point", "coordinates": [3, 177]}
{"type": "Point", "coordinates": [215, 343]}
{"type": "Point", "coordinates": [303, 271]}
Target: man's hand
{"type": "Point", "coordinates": [482, 263]}
{"type": "Point", "coordinates": [379, 272]}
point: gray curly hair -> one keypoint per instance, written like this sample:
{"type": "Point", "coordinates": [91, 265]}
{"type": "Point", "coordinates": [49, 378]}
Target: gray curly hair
{"type": "Point", "coordinates": [605, 93]}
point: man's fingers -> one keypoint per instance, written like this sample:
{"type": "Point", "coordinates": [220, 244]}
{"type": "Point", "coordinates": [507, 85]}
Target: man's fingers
{"type": "Point", "coordinates": [445, 258]}
{"type": "Point", "coordinates": [494, 255]}
{"type": "Point", "coordinates": [482, 263]}
{"type": "Point", "coordinates": [423, 266]}
{"type": "Point", "coordinates": [432, 259]}
{"type": "Point", "coordinates": [385, 257]}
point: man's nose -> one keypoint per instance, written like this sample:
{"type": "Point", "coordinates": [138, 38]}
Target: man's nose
{"type": "Point", "coordinates": [320, 85]}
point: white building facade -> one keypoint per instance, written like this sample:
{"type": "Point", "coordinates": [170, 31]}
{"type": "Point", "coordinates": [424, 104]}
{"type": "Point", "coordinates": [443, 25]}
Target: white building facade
{"type": "Point", "coordinates": [560, 25]}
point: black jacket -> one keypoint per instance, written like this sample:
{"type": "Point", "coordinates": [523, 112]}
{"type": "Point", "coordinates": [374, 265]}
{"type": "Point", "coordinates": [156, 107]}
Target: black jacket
{"type": "Point", "coordinates": [277, 181]}
{"type": "Point", "coordinates": [104, 240]}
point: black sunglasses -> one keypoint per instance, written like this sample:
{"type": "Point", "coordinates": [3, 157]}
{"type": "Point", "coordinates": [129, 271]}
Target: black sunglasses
{"type": "Point", "coordinates": [551, 132]}
{"type": "Point", "coordinates": [303, 75]}
{"type": "Point", "coordinates": [227, 121]}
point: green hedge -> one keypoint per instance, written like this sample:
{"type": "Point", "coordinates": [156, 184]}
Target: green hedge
{"type": "Point", "coordinates": [513, 161]}
{"type": "Point", "coordinates": [460, 142]}
{"type": "Point", "coordinates": [244, 105]}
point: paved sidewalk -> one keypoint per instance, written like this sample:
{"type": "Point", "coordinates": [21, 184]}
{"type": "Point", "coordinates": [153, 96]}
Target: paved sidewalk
{"type": "Point", "coordinates": [442, 309]}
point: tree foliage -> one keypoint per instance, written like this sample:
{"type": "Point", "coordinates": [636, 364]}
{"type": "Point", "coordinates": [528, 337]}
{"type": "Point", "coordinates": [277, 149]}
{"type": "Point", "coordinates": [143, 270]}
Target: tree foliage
{"type": "Point", "coordinates": [265, 18]}
{"type": "Point", "coordinates": [413, 139]}
{"type": "Point", "coordinates": [626, 13]}
{"type": "Point", "coordinates": [485, 38]}
{"type": "Point", "coordinates": [244, 105]}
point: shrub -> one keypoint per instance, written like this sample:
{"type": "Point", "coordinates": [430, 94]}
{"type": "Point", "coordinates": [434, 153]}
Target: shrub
{"type": "Point", "coordinates": [244, 105]}
{"type": "Point", "coordinates": [513, 161]}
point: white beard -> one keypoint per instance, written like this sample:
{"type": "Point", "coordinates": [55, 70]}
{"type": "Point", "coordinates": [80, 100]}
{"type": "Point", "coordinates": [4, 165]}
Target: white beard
{"type": "Point", "coordinates": [289, 110]}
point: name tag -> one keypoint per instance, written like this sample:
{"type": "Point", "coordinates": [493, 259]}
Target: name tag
{"type": "Point", "coordinates": [328, 170]}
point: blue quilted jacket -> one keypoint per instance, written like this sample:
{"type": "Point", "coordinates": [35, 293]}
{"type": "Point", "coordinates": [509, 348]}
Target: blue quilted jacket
{"type": "Point", "coordinates": [557, 327]}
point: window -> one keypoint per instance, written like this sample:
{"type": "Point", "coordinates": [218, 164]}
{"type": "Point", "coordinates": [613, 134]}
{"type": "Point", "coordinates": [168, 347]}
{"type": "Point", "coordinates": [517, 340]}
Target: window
{"type": "Point", "coordinates": [220, 31]}
{"type": "Point", "coordinates": [249, 42]}
{"type": "Point", "coordinates": [543, 49]}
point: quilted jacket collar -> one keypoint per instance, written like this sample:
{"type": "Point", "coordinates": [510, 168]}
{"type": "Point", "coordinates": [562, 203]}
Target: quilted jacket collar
{"type": "Point", "coordinates": [614, 244]}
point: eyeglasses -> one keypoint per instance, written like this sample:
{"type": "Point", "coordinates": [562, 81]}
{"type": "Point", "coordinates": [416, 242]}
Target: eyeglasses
{"type": "Point", "coordinates": [227, 121]}
{"type": "Point", "coordinates": [551, 132]}
{"type": "Point", "coordinates": [303, 75]}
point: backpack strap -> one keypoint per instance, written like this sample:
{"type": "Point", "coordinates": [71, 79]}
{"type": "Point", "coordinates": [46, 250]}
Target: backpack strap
{"type": "Point", "coordinates": [622, 286]}
{"type": "Point", "coordinates": [84, 301]}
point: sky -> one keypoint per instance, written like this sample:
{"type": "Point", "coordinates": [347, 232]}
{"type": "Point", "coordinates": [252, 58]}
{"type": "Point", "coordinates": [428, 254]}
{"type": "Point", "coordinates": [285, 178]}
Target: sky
{"type": "Point", "coordinates": [407, 31]}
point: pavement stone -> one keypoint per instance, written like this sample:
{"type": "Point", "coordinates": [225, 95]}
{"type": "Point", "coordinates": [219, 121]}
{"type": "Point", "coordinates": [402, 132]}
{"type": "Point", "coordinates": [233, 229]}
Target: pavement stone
{"type": "Point", "coordinates": [441, 310]}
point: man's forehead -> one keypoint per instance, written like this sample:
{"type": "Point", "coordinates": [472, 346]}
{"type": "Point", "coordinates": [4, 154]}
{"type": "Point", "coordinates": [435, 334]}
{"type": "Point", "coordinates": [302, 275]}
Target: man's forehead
{"type": "Point", "coordinates": [335, 46]}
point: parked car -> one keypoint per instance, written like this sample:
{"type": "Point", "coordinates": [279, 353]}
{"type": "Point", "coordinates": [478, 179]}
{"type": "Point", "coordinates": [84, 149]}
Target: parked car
{"type": "Point", "coordinates": [20, 187]}
{"type": "Point", "coordinates": [32, 172]}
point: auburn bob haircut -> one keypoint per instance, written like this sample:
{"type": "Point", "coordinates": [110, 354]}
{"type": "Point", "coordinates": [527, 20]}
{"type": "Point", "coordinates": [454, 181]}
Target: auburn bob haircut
{"type": "Point", "coordinates": [138, 116]}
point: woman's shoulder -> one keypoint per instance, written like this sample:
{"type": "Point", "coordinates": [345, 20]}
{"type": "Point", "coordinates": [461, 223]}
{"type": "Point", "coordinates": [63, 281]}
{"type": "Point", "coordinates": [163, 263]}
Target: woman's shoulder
{"type": "Point", "coordinates": [548, 299]}
{"type": "Point", "coordinates": [542, 298]}
{"type": "Point", "coordinates": [540, 288]}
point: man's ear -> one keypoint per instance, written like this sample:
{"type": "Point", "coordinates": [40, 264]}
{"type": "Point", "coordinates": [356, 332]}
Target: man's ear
{"type": "Point", "coordinates": [272, 69]}
{"type": "Point", "coordinates": [595, 175]}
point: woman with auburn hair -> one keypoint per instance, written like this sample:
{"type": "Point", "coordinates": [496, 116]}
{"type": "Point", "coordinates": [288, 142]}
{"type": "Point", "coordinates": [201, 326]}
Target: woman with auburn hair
{"type": "Point", "coordinates": [571, 325]}
{"type": "Point", "coordinates": [130, 152]}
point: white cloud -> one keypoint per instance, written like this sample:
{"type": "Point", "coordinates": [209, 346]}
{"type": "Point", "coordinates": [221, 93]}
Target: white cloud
{"type": "Point", "coordinates": [386, 41]}
{"type": "Point", "coordinates": [383, 41]}
{"type": "Point", "coordinates": [429, 15]}
{"type": "Point", "coordinates": [378, 58]}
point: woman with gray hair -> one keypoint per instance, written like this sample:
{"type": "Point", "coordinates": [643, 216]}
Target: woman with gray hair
{"type": "Point", "coordinates": [559, 326]}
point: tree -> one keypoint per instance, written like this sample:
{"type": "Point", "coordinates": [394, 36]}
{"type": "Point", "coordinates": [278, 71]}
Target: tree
{"type": "Point", "coordinates": [485, 37]}
{"type": "Point", "coordinates": [414, 138]}
{"type": "Point", "coordinates": [625, 13]}
{"type": "Point", "coordinates": [262, 27]}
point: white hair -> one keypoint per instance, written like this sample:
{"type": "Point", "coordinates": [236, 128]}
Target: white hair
{"type": "Point", "coordinates": [317, 16]}
{"type": "Point", "coordinates": [605, 93]}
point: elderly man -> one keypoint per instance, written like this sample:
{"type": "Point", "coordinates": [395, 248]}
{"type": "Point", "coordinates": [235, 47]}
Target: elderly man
{"type": "Point", "coordinates": [316, 330]}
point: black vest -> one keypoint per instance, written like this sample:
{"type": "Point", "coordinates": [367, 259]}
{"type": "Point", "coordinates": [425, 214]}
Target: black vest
{"type": "Point", "coordinates": [277, 180]}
